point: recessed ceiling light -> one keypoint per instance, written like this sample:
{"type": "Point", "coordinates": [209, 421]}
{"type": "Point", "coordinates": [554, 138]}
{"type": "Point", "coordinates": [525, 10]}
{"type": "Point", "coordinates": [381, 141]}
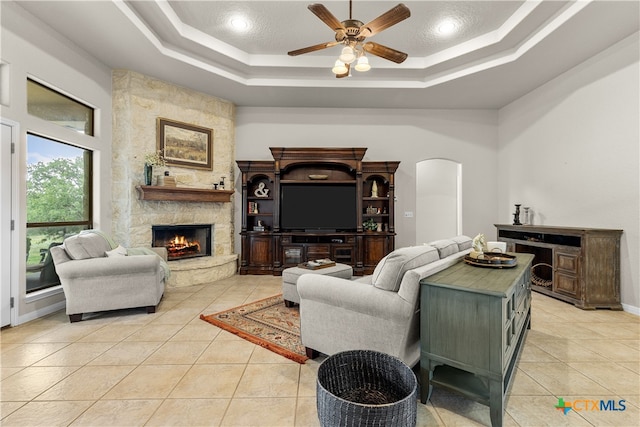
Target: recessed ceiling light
{"type": "Point", "coordinates": [239, 24]}
{"type": "Point", "coordinates": [448, 26]}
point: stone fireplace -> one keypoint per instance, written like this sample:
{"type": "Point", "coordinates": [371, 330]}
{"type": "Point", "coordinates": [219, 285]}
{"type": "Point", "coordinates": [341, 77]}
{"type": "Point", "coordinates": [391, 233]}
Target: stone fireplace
{"type": "Point", "coordinates": [183, 241]}
{"type": "Point", "coordinates": [138, 101]}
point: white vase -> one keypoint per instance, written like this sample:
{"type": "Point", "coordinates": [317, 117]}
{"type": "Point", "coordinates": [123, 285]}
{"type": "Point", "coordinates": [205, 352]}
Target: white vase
{"type": "Point", "coordinates": [158, 175]}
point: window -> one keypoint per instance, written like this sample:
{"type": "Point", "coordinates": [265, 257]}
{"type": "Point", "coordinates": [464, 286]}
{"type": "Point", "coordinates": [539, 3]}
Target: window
{"type": "Point", "coordinates": [59, 200]}
{"type": "Point", "coordinates": [57, 108]}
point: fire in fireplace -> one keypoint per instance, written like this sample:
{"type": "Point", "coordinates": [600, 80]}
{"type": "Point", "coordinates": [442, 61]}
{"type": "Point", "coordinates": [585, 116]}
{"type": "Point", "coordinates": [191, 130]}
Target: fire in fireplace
{"type": "Point", "coordinates": [183, 241]}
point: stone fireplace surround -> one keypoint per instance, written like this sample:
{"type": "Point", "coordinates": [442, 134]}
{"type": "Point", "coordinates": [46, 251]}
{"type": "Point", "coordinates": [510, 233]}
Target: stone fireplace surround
{"type": "Point", "coordinates": [190, 271]}
{"type": "Point", "coordinates": [138, 101]}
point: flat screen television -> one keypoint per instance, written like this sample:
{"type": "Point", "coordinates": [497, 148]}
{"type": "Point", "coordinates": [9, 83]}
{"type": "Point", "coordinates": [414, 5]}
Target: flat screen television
{"type": "Point", "coordinates": [318, 207]}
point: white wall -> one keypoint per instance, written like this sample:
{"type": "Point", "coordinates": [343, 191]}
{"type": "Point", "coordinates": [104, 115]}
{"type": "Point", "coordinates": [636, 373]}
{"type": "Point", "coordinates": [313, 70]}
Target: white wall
{"type": "Point", "coordinates": [31, 49]}
{"type": "Point", "coordinates": [467, 137]}
{"type": "Point", "coordinates": [570, 151]}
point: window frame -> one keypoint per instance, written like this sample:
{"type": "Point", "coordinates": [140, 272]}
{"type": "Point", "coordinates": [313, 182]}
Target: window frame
{"type": "Point", "coordinates": [62, 94]}
{"type": "Point", "coordinates": [88, 223]}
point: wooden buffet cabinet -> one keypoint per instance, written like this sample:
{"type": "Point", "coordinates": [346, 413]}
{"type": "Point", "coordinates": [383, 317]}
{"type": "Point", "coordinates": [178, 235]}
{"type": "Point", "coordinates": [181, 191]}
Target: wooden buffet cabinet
{"type": "Point", "coordinates": [267, 248]}
{"type": "Point", "coordinates": [473, 323]}
{"type": "Point", "coordinates": [576, 265]}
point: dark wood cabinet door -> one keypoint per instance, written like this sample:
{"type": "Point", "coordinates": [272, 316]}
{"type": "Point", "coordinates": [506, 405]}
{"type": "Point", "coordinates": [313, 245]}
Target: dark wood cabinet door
{"type": "Point", "coordinates": [261, 251]}
{"type": "Point", "coordinates": [376, 247]}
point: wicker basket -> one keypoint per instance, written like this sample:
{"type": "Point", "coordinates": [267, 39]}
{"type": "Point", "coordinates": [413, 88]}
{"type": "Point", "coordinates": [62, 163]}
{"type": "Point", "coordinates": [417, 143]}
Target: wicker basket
{"type": "Point", "coordinates": [366, 388]}
{"type": "Point", "coordinates": [539, 281]}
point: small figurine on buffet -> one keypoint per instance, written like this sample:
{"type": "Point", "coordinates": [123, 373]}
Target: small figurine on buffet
{"type": "Point", "coordinates": [479, 246]}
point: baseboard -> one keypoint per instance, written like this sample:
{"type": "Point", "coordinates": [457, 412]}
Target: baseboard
{"type": "Point", "coordinates": [631, 309]}
{"type": "Point", "coordinates": [45, 311]}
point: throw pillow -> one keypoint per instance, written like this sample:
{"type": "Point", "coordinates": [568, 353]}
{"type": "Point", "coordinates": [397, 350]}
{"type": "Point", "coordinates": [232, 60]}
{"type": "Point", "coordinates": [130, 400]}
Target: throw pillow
{"type": "Point", "coordinates": [119, 251]}
{"type": "Point", "coordinates": [86, 245]}
{"type": "Point", "coordinates": [445, 247]}
{"type": "Point", "coordinates": [390, 270]}
{"type": "Point", "coordinates": [464, 242]}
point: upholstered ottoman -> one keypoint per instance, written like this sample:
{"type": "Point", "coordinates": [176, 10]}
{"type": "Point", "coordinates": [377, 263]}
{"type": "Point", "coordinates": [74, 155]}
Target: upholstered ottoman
{"type": "Point", "coordinates": [290, 279]}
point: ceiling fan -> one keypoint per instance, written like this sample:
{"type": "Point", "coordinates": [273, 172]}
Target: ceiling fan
{"type": "Point", "coordinates": [352, 34]}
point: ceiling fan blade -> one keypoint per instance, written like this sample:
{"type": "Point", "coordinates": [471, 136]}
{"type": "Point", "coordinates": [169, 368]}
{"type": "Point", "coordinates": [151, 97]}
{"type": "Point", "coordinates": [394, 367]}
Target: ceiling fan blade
{"type": "Point", "coordinates": [385, 52]}
{"type": "Point", "coordinates": [384, 21]}
{"type": "Point", "coordinates": [327, 17]}
{"type": "Point", "coordinates": [311, 48]}
{"type": "Point", "coordinates": [346, 74]}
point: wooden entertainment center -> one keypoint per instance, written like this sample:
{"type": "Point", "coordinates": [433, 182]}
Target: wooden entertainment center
{"type": "Point", "coordinates": [268, 247]}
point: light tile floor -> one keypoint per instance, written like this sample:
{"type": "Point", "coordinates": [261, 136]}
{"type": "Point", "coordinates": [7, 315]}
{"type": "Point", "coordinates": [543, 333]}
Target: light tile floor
{"type": "Point", "coordinates": [129, 368]}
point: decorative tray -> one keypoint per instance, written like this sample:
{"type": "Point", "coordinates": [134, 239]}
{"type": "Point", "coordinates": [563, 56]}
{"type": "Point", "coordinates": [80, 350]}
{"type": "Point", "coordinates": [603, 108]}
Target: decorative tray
{"type": "Point", "coordinates": [319, 263]}
{"type": "Point", "coordinates": [493, 260]}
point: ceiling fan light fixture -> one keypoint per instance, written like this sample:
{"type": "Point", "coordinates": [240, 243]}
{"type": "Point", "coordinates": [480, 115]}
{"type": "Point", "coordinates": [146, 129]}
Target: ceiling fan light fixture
{"type": "Point", "coordinates": [348, 55]}
{"type": "Point", "coordinates": [363, 64]}
{"type": "Point", "coordinates": [351, 33]}
{"type": "Point", "coordinates": [339, 67]}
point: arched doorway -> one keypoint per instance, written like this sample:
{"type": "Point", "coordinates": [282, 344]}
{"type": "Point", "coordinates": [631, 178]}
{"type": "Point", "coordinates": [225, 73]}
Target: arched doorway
{"type": "Point", "coordinates": [438, 199]}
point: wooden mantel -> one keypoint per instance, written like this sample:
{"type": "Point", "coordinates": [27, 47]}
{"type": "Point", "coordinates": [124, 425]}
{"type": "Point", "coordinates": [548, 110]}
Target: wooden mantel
{"type": "Point", "coordinates": [180, 194]}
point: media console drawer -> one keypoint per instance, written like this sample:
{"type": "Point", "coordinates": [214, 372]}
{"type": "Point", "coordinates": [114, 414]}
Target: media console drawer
{"type": "Point", "coordinates": [473, 323]}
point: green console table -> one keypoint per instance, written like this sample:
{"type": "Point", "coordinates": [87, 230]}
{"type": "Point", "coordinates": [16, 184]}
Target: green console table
{"type": "Point", "coordinates": [473, 323]}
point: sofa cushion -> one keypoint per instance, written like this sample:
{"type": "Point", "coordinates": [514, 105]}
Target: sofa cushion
{"type": "Point", "coordinates": [389, 271]}
{"type": "Point", "coordinates": [464, 242]}
{"type": "Point", "coordinates": [86, 245]}
{"type": "Point", "coordinates": [445, 247]}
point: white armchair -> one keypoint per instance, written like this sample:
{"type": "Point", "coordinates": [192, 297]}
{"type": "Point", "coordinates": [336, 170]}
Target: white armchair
{"type": "Point", "coordinates": [97, 276]}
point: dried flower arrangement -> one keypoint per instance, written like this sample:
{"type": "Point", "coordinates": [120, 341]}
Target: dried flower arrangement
{"type": "Point", "coordinates": [155, 159]}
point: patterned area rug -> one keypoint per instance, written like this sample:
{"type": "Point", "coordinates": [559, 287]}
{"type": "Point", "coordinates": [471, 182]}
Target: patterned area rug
{"type": "Point", "coordinates": [267, 323]}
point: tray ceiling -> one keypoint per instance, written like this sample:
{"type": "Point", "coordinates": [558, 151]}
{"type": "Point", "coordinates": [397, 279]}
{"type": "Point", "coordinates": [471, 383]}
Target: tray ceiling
{"type": "Point", "coordinates": [500, 51]}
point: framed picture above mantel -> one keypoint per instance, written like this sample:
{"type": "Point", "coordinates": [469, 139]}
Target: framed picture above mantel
{"type": "Point", "coordinates": [185, 145]}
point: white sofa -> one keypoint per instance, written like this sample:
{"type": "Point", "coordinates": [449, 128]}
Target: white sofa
{"type": "Point", "coordinates": [379, 312]}
{"type": "Point", "coordinates": [98, 275]}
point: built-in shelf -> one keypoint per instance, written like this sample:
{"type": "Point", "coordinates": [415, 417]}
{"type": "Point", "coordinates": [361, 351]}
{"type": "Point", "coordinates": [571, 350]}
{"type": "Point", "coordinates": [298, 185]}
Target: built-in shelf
{"type": "Point", "coordinates": [180, 194]}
